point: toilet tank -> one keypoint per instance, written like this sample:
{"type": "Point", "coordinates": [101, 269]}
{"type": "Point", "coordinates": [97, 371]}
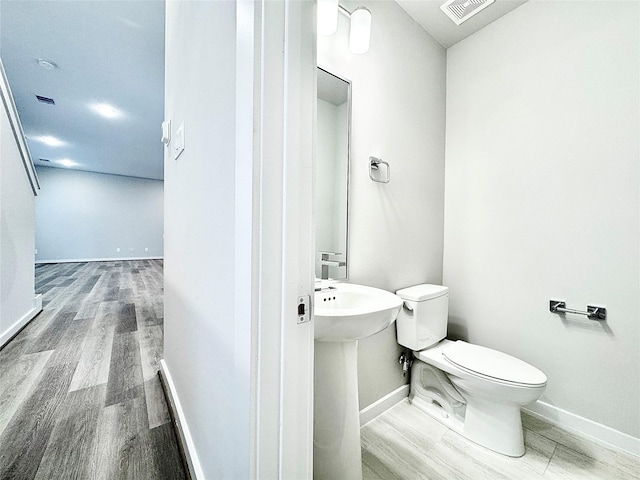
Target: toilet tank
{"type": "Point", "coordinates": [422, 321]}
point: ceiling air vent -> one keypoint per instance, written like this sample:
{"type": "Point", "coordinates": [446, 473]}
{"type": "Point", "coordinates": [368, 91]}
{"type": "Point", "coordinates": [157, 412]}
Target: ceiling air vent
{"type": "Point", "coordinates": [47, 100]}
{"type": "Point", "coordinates": [462, 10]}
{"type": "Point", "coordinates": [44, 160]}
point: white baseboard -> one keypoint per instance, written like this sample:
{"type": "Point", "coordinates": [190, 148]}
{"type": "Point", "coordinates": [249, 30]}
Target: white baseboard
{"type": "Point", "coordinates": [195, 470]}
{"type": "Point", "coordinates": [83, 260]}
{"type": "Point", "coordinates": [385, 403]}
{"type": "Point", "coordinates": [584, 427]}
{"type": "Point", "coordinates": [26, 318]}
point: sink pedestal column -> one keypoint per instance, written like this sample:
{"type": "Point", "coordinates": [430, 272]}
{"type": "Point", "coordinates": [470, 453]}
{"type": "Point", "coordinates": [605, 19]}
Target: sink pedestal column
{"type": "Point", "coordinates": [336, 425]}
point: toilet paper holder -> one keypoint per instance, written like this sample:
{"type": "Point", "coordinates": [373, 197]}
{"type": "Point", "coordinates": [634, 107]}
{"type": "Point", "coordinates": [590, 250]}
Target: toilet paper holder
{"type": "Point", "coordinates": [593, 312]}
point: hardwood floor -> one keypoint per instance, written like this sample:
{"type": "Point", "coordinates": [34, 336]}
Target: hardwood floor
{"type": "Point", "coordinates": [406, 444]}
{"type": "Point", "coordinates": [80, 397]}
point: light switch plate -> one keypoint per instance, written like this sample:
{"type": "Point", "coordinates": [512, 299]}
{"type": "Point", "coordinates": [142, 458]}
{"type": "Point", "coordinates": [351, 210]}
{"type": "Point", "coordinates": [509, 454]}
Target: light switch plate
{"type": "Point", "coordinates": [178, 142]}
{"type": "Point", "coordinates": [166, 132]}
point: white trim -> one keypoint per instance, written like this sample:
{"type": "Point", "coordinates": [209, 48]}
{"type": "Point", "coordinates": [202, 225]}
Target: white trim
{"type": "Point", "coordinates": [26, 318]}
{"type": "Point", "coordinates": [82, 260]}
{"type": "Point", "coordinates": [382, 405]}
{"type": "Point", "coordinates": [18, 132]}
{"type": "Point", "coordinates": [298, 265]}
{"type": "Point", "coordinates": [583, 427]}
{"type": "Point", "coordinates": [193, 463]}
{"type": "Point", "coordinates": [282, 373]}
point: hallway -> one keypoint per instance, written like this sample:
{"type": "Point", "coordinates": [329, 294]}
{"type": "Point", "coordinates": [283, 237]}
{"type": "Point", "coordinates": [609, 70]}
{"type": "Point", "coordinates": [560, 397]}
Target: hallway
{"type": "Point", "coordinates": [80, 396]}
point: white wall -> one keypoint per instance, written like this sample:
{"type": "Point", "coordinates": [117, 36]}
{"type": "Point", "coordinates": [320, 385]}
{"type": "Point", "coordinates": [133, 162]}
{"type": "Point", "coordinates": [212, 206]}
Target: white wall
{"type": "Point", "coordinates": [17, 220]}
{"type": "Point", "coordinates": [85, 215]}
{"type": "Point", "coordinates": [238, 235]}
{"type": "Point", "coordinates": [199, 236]}
{"type": "Point", "coordinates": [542, 198]}
{"type": "Point", "coordinates": [398, 114]}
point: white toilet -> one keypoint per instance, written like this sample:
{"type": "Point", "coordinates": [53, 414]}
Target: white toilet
{"type": "Point", "coordinates": [474, 390]}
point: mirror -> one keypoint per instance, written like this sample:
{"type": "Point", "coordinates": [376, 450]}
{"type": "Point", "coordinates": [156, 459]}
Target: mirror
{"type": "Point", "coordinates": [332, 175]}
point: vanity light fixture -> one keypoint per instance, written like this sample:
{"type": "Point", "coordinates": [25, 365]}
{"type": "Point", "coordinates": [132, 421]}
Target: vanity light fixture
{"type": "Point", "coordinates": [359, 24]}
{"type": "Point", "coordinates": [360, 31]}
{"type": "Point", "coordinates": [327, 17]}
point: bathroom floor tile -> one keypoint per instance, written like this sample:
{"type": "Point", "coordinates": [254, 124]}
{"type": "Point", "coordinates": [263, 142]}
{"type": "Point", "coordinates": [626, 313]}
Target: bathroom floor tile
{"type": "Point", "coordinates": [405, 443]}
{"type": "Point", "coordinates": [569, 464]}
{"type": "Point", "coordinates": [582, 445]}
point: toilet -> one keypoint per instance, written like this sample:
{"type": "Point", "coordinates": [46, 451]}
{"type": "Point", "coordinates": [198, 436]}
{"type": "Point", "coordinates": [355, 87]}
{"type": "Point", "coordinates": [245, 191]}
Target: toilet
{"type": "Point", "coordinates": [474, 390]}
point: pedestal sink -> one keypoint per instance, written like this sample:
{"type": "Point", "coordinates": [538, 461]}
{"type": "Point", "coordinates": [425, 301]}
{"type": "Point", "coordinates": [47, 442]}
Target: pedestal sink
{"type": "Point", "coordinates": [344, 313]}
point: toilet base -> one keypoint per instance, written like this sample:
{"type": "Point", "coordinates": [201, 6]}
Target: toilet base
{"type": "Point", "coordinates": [453, 422]}
{"type": "Point", "coordinates": [502, 434]}
{"type": "Point", "coordinates": [496, 426]}
{"type": "Point", "coordinates": [493, 425]}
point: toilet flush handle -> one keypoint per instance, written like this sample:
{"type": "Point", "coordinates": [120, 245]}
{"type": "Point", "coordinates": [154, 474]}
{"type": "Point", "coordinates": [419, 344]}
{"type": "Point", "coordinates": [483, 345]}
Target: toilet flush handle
{"type": "Point", "coordinates": [407, 306]}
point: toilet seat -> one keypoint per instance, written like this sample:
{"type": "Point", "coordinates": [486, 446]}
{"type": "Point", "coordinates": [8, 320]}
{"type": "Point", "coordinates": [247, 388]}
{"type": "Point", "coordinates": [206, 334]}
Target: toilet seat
{"type": "Point", "coordinates": [493, 365]}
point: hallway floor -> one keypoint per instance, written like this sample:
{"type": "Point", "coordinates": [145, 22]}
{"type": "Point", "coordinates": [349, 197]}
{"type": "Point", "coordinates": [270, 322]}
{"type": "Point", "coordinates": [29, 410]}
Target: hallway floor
{"type": "Point", "coordinates": [80, 396]}
{"type": "Point", "coordinates": [406, 444]}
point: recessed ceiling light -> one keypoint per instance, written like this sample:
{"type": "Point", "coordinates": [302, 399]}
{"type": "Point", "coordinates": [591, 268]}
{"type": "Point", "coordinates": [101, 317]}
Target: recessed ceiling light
{"type": "Point", "coordinates": [49, 140]}
{"type": "Point", "coordinates": [47, 64]}
{"type": "Point", "coordinates": [65, 162]}
{"type": "Point", "coordinates": [106, 110]}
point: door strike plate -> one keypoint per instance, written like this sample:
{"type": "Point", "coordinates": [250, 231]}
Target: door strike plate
{"type": "Point", "coordinates": [303, 309]}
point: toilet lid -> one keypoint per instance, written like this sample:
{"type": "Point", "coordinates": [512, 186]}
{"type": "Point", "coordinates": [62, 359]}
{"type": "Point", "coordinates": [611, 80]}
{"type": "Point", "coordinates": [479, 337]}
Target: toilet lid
{"type": "Point", "coordinates": [491, 363]}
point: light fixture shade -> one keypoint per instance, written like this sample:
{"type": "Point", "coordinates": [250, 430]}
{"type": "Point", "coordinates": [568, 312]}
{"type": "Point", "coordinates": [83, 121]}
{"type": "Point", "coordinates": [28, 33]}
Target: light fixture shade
{"type": "Point", "coordinates": [327, 17]}
{"type": "Point", "coordinates": [360, 31]}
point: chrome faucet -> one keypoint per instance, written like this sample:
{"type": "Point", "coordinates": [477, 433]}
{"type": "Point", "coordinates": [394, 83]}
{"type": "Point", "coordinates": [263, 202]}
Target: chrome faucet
{"type": "Point", "coordinates": [326, 263]}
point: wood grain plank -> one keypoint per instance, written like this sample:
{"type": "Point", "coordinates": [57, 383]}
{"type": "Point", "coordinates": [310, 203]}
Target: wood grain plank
{"type": "Point", "coordinates": [89, 284]}
{"type": "Point", "coordinates": [119, 426]}
{"type": "Point", "coordinates": [151, 346]}
{"type": "Point", "coordinates": [25, 438]}
{"type": "Point", "coordinates": [156, 454]}
{"type": "Point", "coordinates": [126, 318]}
{"type": "Point", "coordinates": [79, 423]}
{"type": "Point", "coordinates": [53, 333]}
{"type": "Point", "coordinates": [96, 410]}
{"type": "Point", "coordinates": [125, 372]}
{"type": "Point", "coordinates": [146, 315]}
{"type": "Point", "coordinates": [94, 363]}
{"type": "Point", "coordinates": [17, 382]}
{"type": "Point", "coordinates": [157, 409]}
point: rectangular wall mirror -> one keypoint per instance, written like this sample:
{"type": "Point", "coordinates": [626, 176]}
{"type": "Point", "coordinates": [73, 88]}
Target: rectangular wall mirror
{"type": "Point", "coordinates": [332, 176]}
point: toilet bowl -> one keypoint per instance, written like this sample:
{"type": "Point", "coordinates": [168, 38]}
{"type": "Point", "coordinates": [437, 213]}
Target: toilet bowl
{"type": "Point", "coordinates": [474, 390]}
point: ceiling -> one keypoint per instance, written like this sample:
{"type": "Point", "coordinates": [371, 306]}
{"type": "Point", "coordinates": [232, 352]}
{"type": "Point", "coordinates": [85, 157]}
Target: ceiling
{"type": "Point", "coordinates": [106, 52]}
{"type": "Point", "coordinates": [112, 53]}
{"type": "Point", "coordinates": [428, 14]}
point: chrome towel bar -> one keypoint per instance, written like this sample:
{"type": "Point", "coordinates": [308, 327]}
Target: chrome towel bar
{"type": "Point", "coordinates": [592, 313]}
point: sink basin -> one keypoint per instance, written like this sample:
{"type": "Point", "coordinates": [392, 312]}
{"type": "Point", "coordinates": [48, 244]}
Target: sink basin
{"type": "Point", "coordinates": [347, 312]}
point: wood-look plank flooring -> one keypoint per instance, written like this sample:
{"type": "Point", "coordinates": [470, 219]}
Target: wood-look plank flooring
{"type": "Point", "coordinates": [405, 443]}
{"type": "Point", "coordinates": [80, 396]}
